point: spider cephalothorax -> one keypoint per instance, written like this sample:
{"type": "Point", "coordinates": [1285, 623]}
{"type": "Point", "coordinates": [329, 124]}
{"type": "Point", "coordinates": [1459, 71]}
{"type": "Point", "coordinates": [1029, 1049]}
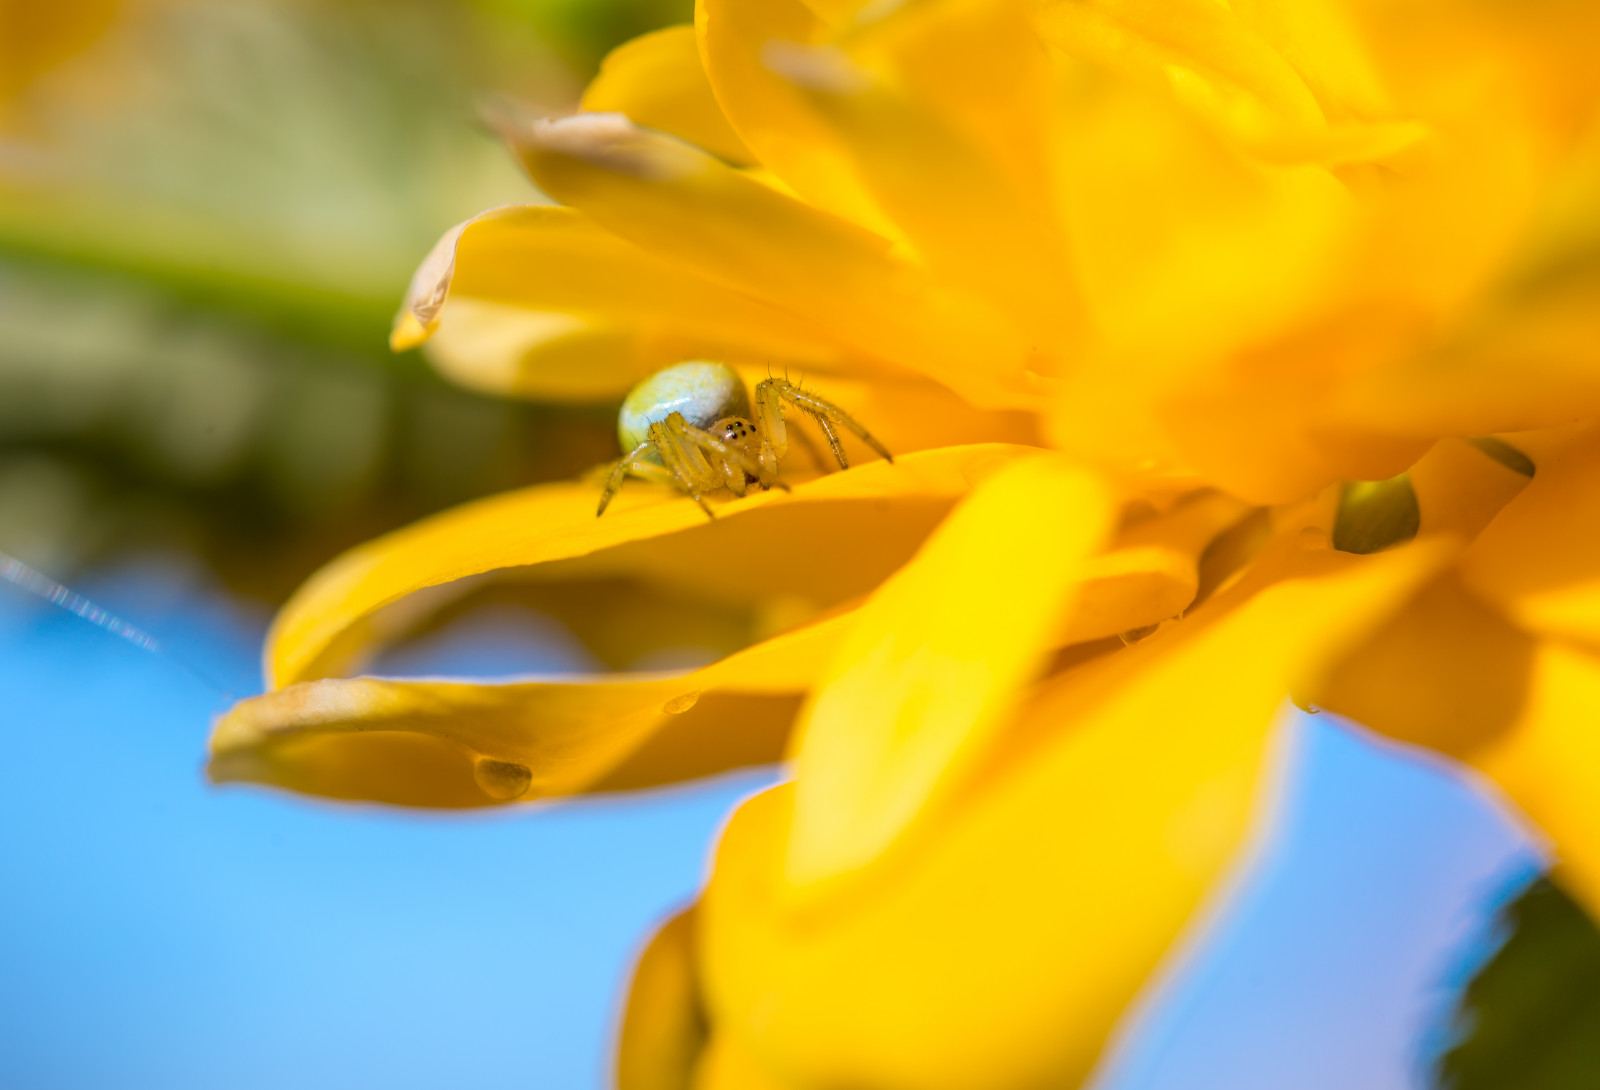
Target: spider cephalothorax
{"type": "Point", "coordinates": [691, 425]}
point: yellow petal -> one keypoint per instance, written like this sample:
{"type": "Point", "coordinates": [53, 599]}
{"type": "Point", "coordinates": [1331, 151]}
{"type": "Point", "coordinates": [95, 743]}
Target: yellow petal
{"type": "Point", "coordinates": [767, 112]}
{"type": "Point", "coordinates": [657, 80]}
{"type": "Point", "coordinates": [1193, 259]}
{"type": "Point", "coordinates": [935, 662]}
{"type": "Point", "coordinates": [1537, 561]}
{"type": "Point", "coordinates": [454, 744]}
{"type": "Point", "coordinates": [1188, 42]}
{"type": "Point", "coordinates": [1549, 762]}
{"type": "Point", "coordinates": [549, 356]}
{"type": "Point", "coordinates": [419, 742]}
{"type": "Point", "coordinates": [554, 261]}
{"type": "Point", "coordinates": [546, 355]}
{"type": "Point", "coordinates": [1218, 63]}
{"type": "Point", "coordinates": [1530, 362]}
{"type": "Point", "coordinates": [1005, 244]}
{"type": "Point", "coordinates": [1460, 488]}
{"type": "Point", "coordinates": [831, 539]}
{"type": "Point", "coordinates": [1447, 672]}
{"type": "Point", "coordinates": [725, 1065]}
{"type": "Point", "coordinates": [664, 1028]}
{"type": "Point", "coordinates": [672, 200]}
{"type": "Point", "coordinates": [561, 356]}
{"type": "Point", "coordinates": [983, 961]}
{"type": "Point", "coordinates": [1318, 38]}
{"type": "Point", "coordinates": [1152, 571]}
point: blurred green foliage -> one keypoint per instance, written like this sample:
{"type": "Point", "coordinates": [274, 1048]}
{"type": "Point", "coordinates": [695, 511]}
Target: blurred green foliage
{"type": "Point", "coordinates": [1530, 1019]}
{"type": "Point", "coordinates": [207, 219]}
{"type": "Point", "coordinates": [587, 29]}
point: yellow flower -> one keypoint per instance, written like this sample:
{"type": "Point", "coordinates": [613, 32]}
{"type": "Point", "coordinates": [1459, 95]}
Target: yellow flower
{"type": "Point", "coordinates": [1228, 352]}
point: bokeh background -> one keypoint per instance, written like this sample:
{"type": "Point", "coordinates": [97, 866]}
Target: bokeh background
{"type": "Point", "coordinates": [208, 214]}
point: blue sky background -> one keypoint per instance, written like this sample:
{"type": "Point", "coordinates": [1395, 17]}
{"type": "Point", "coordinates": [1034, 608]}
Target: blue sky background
{"type": "Point", "coordinates": [156, 932]}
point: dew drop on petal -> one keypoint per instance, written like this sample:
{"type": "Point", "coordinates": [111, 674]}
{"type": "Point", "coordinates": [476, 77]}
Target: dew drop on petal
{"type": "Point", "coordinates": [503, 780]}
{"type": "Point", "coordinates": [1312, 538]}
{"type": "Point", "coordinates": [680, 704]}
{"type": "Point", "coordinates": [1134, 635]}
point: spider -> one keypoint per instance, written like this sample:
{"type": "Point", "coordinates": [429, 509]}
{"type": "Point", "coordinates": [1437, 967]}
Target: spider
{"type": "Point", "coordinates": [690, 426]}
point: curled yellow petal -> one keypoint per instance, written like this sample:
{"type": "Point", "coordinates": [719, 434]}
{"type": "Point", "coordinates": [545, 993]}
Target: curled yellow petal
{"type": "Point", "coordinates": [671, 199]}
{"type": "Point", "coordinates": [1058, 882]}
{"type": "Point", "coordinates": [831, 539]}
{"type": "Point", "coordinates": [1460, 487]}
{"type": "Point", "coordinates": [1151, 572]}
{"type": "Point", "coordinates": [658, 81]}
{"type": "Point", "coordinates": [569, 274]}
{"type": "Point", "coordinates": [1537, 560]}
{"type": "Point", "coordinates": [1447, 672]}
{"type": "Point", "coordinates": [934, 663]}
{"type": "Point", "coordinates": [441, 743]}
{"type": "Point", "coordinates": [542, 355]}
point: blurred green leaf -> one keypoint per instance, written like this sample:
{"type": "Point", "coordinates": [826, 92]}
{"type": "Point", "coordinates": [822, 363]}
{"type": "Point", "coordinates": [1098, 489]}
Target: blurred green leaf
{"type": "Point", "coordinates": [1530, 1019]}
{"type": "Point", "coordinates": [293, 161]}
{"type": "Point", "coordinates": [206, 223]}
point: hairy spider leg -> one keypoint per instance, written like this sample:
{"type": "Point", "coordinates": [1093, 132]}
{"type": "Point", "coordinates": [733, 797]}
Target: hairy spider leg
{"type": "Point", "coordinates": [730, 462]}
{"type": "Point", "coordinates": [772, 393]}
{"type": "Point", "coordinates": [688, 466]}
{"type": "Point", "coordinates": [633, 462]}
{"type": "Point", "coordinates": [832, 437]}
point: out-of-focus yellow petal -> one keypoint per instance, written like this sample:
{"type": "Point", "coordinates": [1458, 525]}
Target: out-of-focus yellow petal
{"type": "Point", "coordinates": [573, 277]}
{"type": "Point", "coordinates": [1549, 762]}
{"type": "Point", "coordinates": [1211, 59]}
{"type": "Point", "coordinates": [980, 65]}
{"type": "Point", "coordinates": [452, 743]}
{"type": "Point", "coordinates": [657, 80]}
{"type": "Point", "coordinates": [1005, 244]}
{"type": "Point", "coordinates": [1134, 777]}
{"type": "Point", "coordinates": [676, 201]}
{"type": "Point", "coordinates": [664, 1029]}
{"type": "Point", "coordinates": [935, 662]}
{"type": "Point", "coordinates": [549, 355]}
{"type": "Point", "coordinates": [766, 110]}
{"type": "Point", "coordinates": [832, 538]}
{"type": "Point", "coordinates": [1319, 39]}
{"type": "Point", "coordinates": [725, 1065]}
{"type": "Point", "coordinates": [1533, 362]}
{"type": "Point", "coordinates": [420, 742]}
{"type": "Point", "coordinates": [1538, 560]}
{"type": "Point", "coordinates": [1189, 254]}
{"type": "Point", "coordinates": [1447, 672]}
{"type": "Point", "coordinates": [560, 356]}
{"type": "Point", "coordinates": [1460, 488]}
{"type": "Point", "coordinates": [1151, 572]}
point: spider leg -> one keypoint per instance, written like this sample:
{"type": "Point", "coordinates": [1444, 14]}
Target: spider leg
{"type": "Point", "coordinates": [733, 462]}
{"type": "Point", "coordinates": [769, 423]}
{"type": "Point", "coordinates": [833, 440]}
{"type": "Point", "coordinates": [630, 462]}
{"type": "Point", "coordinates": [824, 410]}
{"type": "Point", "coordinates": [689, 468]}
